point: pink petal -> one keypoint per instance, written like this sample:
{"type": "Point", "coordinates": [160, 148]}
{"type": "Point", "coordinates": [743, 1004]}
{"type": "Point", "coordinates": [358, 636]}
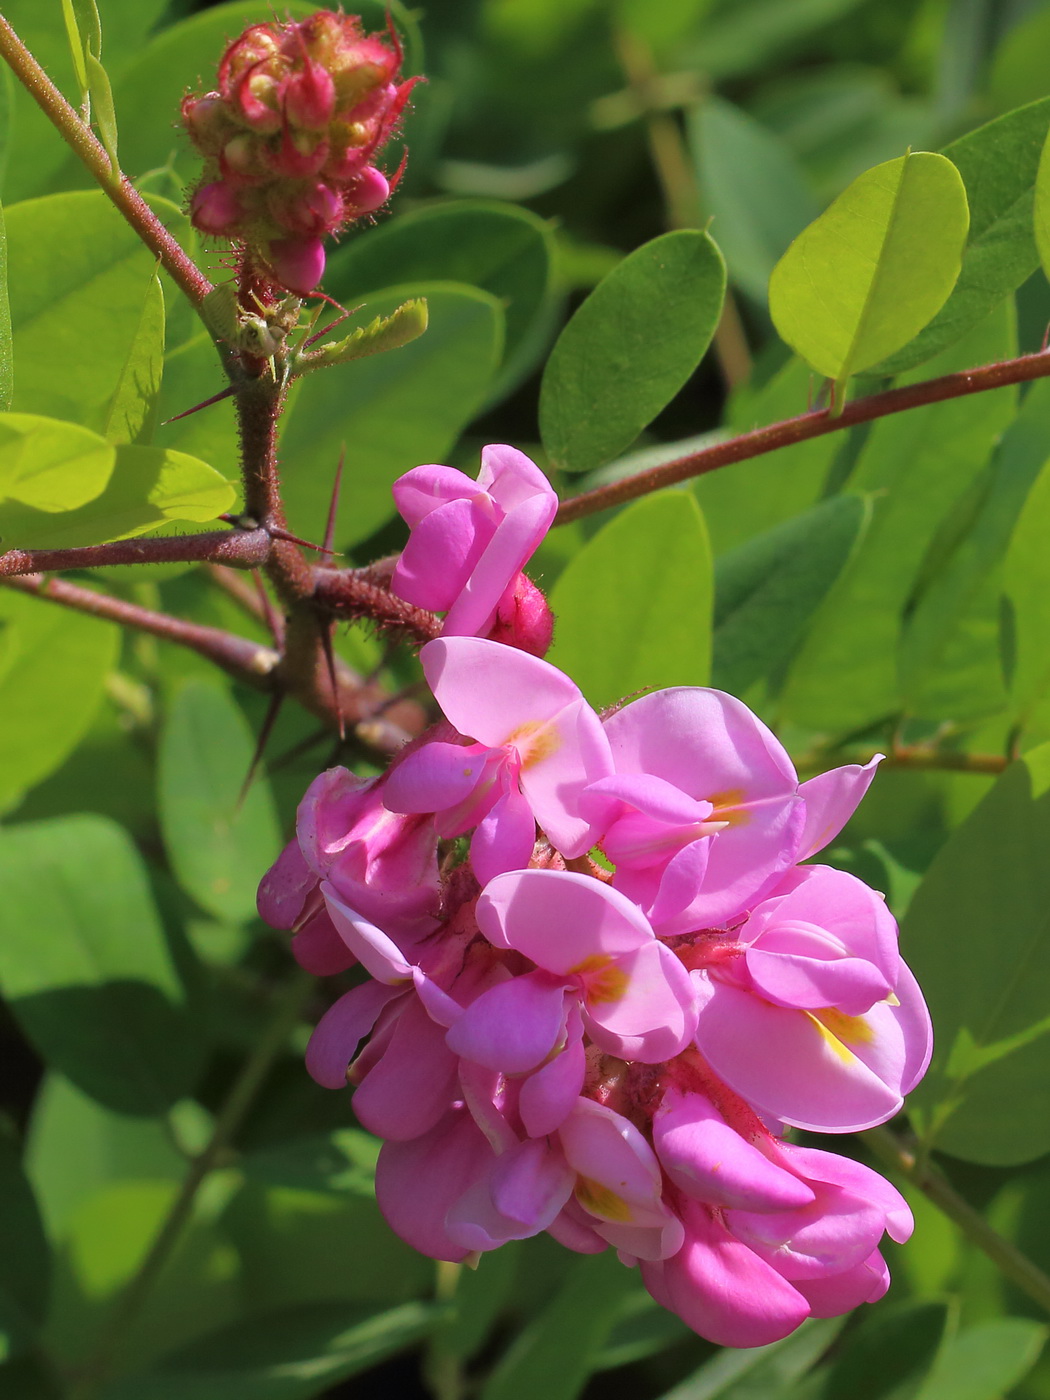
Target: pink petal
{"type": "Point", "coordinates": [852, 985]}
{"type": "Point", "coordinates": [711, 1162]}
{"type": "Point", "coordinates": [318, 949]}
{"type": "Point", "coordinates": [549, 1094]}
{"type": "Point", "coordinates": [555, 781]}
{"type": "Point", "coordinates": [836, 1232]}
{"type": "Point", "coordinates": [510, 477]}
{"type": "Point", "coordinates": [645, 1241]}
{"type": "Point", "coordinates": [852, 915]}
{"type": "Point", "coordinates": [515, 540]}
{"type": "Point", "coordinates": [655, 1017]}
{"type": "Point", "coordinates": [425, 489]}
{"type": "Point", "coordinates": [341, 1029]}
{"type": "Point", "coordinates": [505, 837]}
{"type": "Point", "coordinates": [513, 1026]}
{"type": "Point", "coordinates": [913, 1018]}
{"type": "Point", "coordinates": [441, 554]}
{"type": "Point", "coordinates": [490, 692]}
{"type": "Point", "coordinates": [411, 1087]}
{"type": "Point", "coordinates": [787, 1065]}
{"type": "Point", "coordinates": [417, 1182]}
{"type": "Point", "coordinates": [817, 1166]}
{"type": "Point", "coordinates": [573, 1228]}
{"type": "Point", "coordinates": [841, 1293]}
{"type": "Point", "coordinates": [831, 799]}
{"type": "Point", "coordinates": [435, 777]}
{"type": "Point", "coordinates": [611, 1155]}
{"type": "Point", "coordinates": [285, 888]}
{"type": "Point", "coordinates": [377, 953]}
{"type": "Point", "coordinates": [723, 1291]}
{"type": "Point", "coordinates": [559, 919]}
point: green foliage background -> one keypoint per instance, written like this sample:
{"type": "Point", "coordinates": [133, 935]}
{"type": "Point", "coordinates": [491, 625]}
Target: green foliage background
{"type": "Point", "coordinates": [884, 587]}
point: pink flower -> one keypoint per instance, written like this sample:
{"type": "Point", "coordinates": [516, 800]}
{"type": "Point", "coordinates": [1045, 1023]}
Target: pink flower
{"type": "Point", "coordinates": [590, 943]}
{"type": "Point", "coordinates": [470, 540]}
{"type": "Point", "coordinates": [539, 744]}
{"type": "Point", "coordinates": [703, 814]}
{"type": "Point", "coordinates": [807, 1009]}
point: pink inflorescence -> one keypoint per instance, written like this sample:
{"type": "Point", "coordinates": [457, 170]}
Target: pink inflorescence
{"type": "Point", "coordinates": [290, 136]}
{"type": "Point", "coordinates": [609, 1051]}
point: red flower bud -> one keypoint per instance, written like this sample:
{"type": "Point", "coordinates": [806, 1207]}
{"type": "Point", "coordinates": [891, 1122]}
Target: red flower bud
{"type": "Point", "coordinates": [297, 263]}
{"type": "Point", "coordinates": [524, 619]}
{"type": "Point", "coordinates": [215, 208]}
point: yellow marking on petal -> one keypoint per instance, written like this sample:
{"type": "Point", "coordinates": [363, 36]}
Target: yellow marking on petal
{"type": "Point", "coordinates": [603, 980]}
{"type": "Point", "coordinates": [601, 1200]}
{"type": "Point", "coordinates": [837, 1028]}
{"type": "Point", "coordinates": [727, 807]}
{"type": "Point", "coordinates": [892, 1000]}
{"type": "Point", "coordinates": [535, 740]}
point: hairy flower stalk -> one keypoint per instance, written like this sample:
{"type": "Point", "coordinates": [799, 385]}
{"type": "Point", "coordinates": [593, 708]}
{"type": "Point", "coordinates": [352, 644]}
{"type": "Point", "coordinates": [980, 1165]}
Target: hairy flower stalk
{"type": "Point", "coordinates": [290, 136]}
{"type": "Point", "coordinates": [612, 1052]}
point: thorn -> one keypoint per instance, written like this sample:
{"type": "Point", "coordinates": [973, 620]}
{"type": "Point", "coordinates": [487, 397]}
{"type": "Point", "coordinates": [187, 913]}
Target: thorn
{"type": "Point", "coordinates": [1046, 340]}
{"type": "Point", "coordinates": [329, 656]}
{"type": "Point", "coordinates": [269, 720]}
{"type": "Point", "coordinates": [311, 340]}
{"type": "Point", "coordinates": [215, 398]}
{"type": "Point", "coordinates": [294, 539]}
{"type": "Point", "coordinates": [333, 505]}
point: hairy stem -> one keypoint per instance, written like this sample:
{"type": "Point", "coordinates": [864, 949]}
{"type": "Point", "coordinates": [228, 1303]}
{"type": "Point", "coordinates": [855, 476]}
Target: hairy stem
{"type": "Point", "coordinates": [1009, 1260]}
{"type": "Point", "coordinates": [254, 1071]}
{"type": "Point", "coordinates": [804, 427]}
{"type": "Point", "coordinates": [183, 271]}
{"type": "Point", "coordinates": [245, 660]}
{"type": "Point", "coordinates": [244, 549]}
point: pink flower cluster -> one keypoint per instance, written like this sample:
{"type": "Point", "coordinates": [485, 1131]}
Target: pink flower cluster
{"type": "Point", "coordinates": [607, 1048]}
{"type": "Point", "coordinates": [290, 136]}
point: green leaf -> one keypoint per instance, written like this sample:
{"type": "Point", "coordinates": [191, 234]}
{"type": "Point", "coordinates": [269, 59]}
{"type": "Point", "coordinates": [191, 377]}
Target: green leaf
{"type": "Point", "coordinates": [76, 301]}
{"type": "Point", "coordinates": [992, 1049]}
{"type": "Point", "coordinates": [53, 669]}
{"type": "Point", "coordinates": [760, 1373]}
{"type": "Point", "coordinates": [391, 411]}
{"type": "Point", "coordinates": [986, 1361]}
{"type": "Point", "coordinates": [767, 590]}
{"type": "Point", "coordinates": [629, 348]}
{"type": "Point", "coordinates": [219, 848]}
{"type": "Point", "coordinates": [401, 327]}
{"type": "Point", "coordinates": [99, 996]}
{"type": "Point", "coordinates": [192, 373]}
{"type": "Point", "coordinates": [642, 1329]}
{"type": "Point", "coordinates": [554, 1355]}
{"type": "Point", "coordinates": [753, 189]}
{"type": "Point", "coordinates": [889, 1355]}
{"type": "Point", "coordinates": [7, 365]}
{"type": "Point", "coordinates": [104, 112]}
{"type": "Point", "coordinates": [751, 497]}
{"type": "Point", "coordinates": [501, 248]}
{"type": "Point", "coordinates": [140, 486]}
{"type": "Point", "coordinates": [288, 1355]}
{"type": "Point", "coordinates": [875, 268]}
{"type": "Point", "coordinates": [743, 37]}
{"type": "Point", "coordinates": [915, 466]}
{"type": "Point", "coordinates": [25, 1264]}
{"type": "Point", "coordinates": [72, 14]}
{"type": "Point", "coordinates": [132, 412]}
{"type": "Point", "coordinates": [998, 164]}
{"type": "Point", "coordinates": [1018, 73]}
{"type": "Point", "coordinates": [75, 1148]}
{"type": "Point", "coordinates": [633, 607]}
{"type": "Point", "coordinates": [1026, 578]}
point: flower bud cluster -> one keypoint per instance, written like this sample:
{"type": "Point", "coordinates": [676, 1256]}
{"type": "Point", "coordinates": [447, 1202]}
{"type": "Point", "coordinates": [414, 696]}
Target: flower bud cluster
{"type": "Point", "coordinates": [611, 1050]}
{"type": "Point", "coordinates": [290, 136]}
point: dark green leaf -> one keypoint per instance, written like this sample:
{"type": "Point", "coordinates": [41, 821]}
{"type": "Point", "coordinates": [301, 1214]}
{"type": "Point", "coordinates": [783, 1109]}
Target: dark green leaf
{"type": "Point", "coordinates": [391, 412]}
{"type": "Point", "coordinates": [998, 165]}
{"type": "Point", "coordinates": [290, 1355]}
{"type": "Point", "coordinates": [558, 1349]}
{"type": "Point", "coordinates": [753, 190]}
{"type": "Point", "coordinates": [99, 996]}
{"type": "Point", "coordinates": [875, 268]}
{"type": "Point", "coordinates": [1026, 575]}
{"type": "Point", "coordinates": [915, 466]}
{"type": "Point", "coordinates": [25, 1264]}
{"type": "Point", "coordinates": [992, 1049]}
{"type": "Point", "coordinates": [629, 348]}
{"type": "Point", "coordinates": [986, 1361]}
{"type": "Point", "coordinates": [219, 847]}
{"type": "Point", "coordinates": [7, 364]}
{"type": "Point", "coordinates": [633, 607]}
{"type": "Point", "coordinates": [642, 1329]}
{"type": "Point", "coordinates": [767, 589]}
{"type": "Point", "coordinates": [764, 1373]}
{"type": "Point", "coordinates": [53, 668]}
{"type": "Point", "coordinates": [743, 37]}
{"type": "Point", "coordinates": [889, 1356]}
{"type": "Point", "coordinates": [501, 248]}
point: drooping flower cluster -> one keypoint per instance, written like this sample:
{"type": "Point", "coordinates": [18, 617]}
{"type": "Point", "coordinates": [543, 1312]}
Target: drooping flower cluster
{"type": "Point", "coordinates": [290, 136]}
{"type": "Point", "coordinates": [609, 1049]}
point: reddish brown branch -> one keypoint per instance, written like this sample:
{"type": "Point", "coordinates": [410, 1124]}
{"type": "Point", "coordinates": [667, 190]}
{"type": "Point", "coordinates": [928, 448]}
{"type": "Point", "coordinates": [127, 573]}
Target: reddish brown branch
{"type": "Point", "coordinates": [354, 593]}
{"type": "Point", "coordinates": [77, 134]}
{"type": "Point", "coordinates": [805, 426]}
{"type": "Point", "coordinates": [244, 549]}
{"type": "Point", "coordinates": [246, 660]}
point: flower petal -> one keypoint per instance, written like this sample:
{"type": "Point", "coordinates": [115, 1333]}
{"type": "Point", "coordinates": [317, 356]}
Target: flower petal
{"type": "Point", "coordinates": [341, 1029]}
{"type": "Point", "coordinates": [513, 1026]}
